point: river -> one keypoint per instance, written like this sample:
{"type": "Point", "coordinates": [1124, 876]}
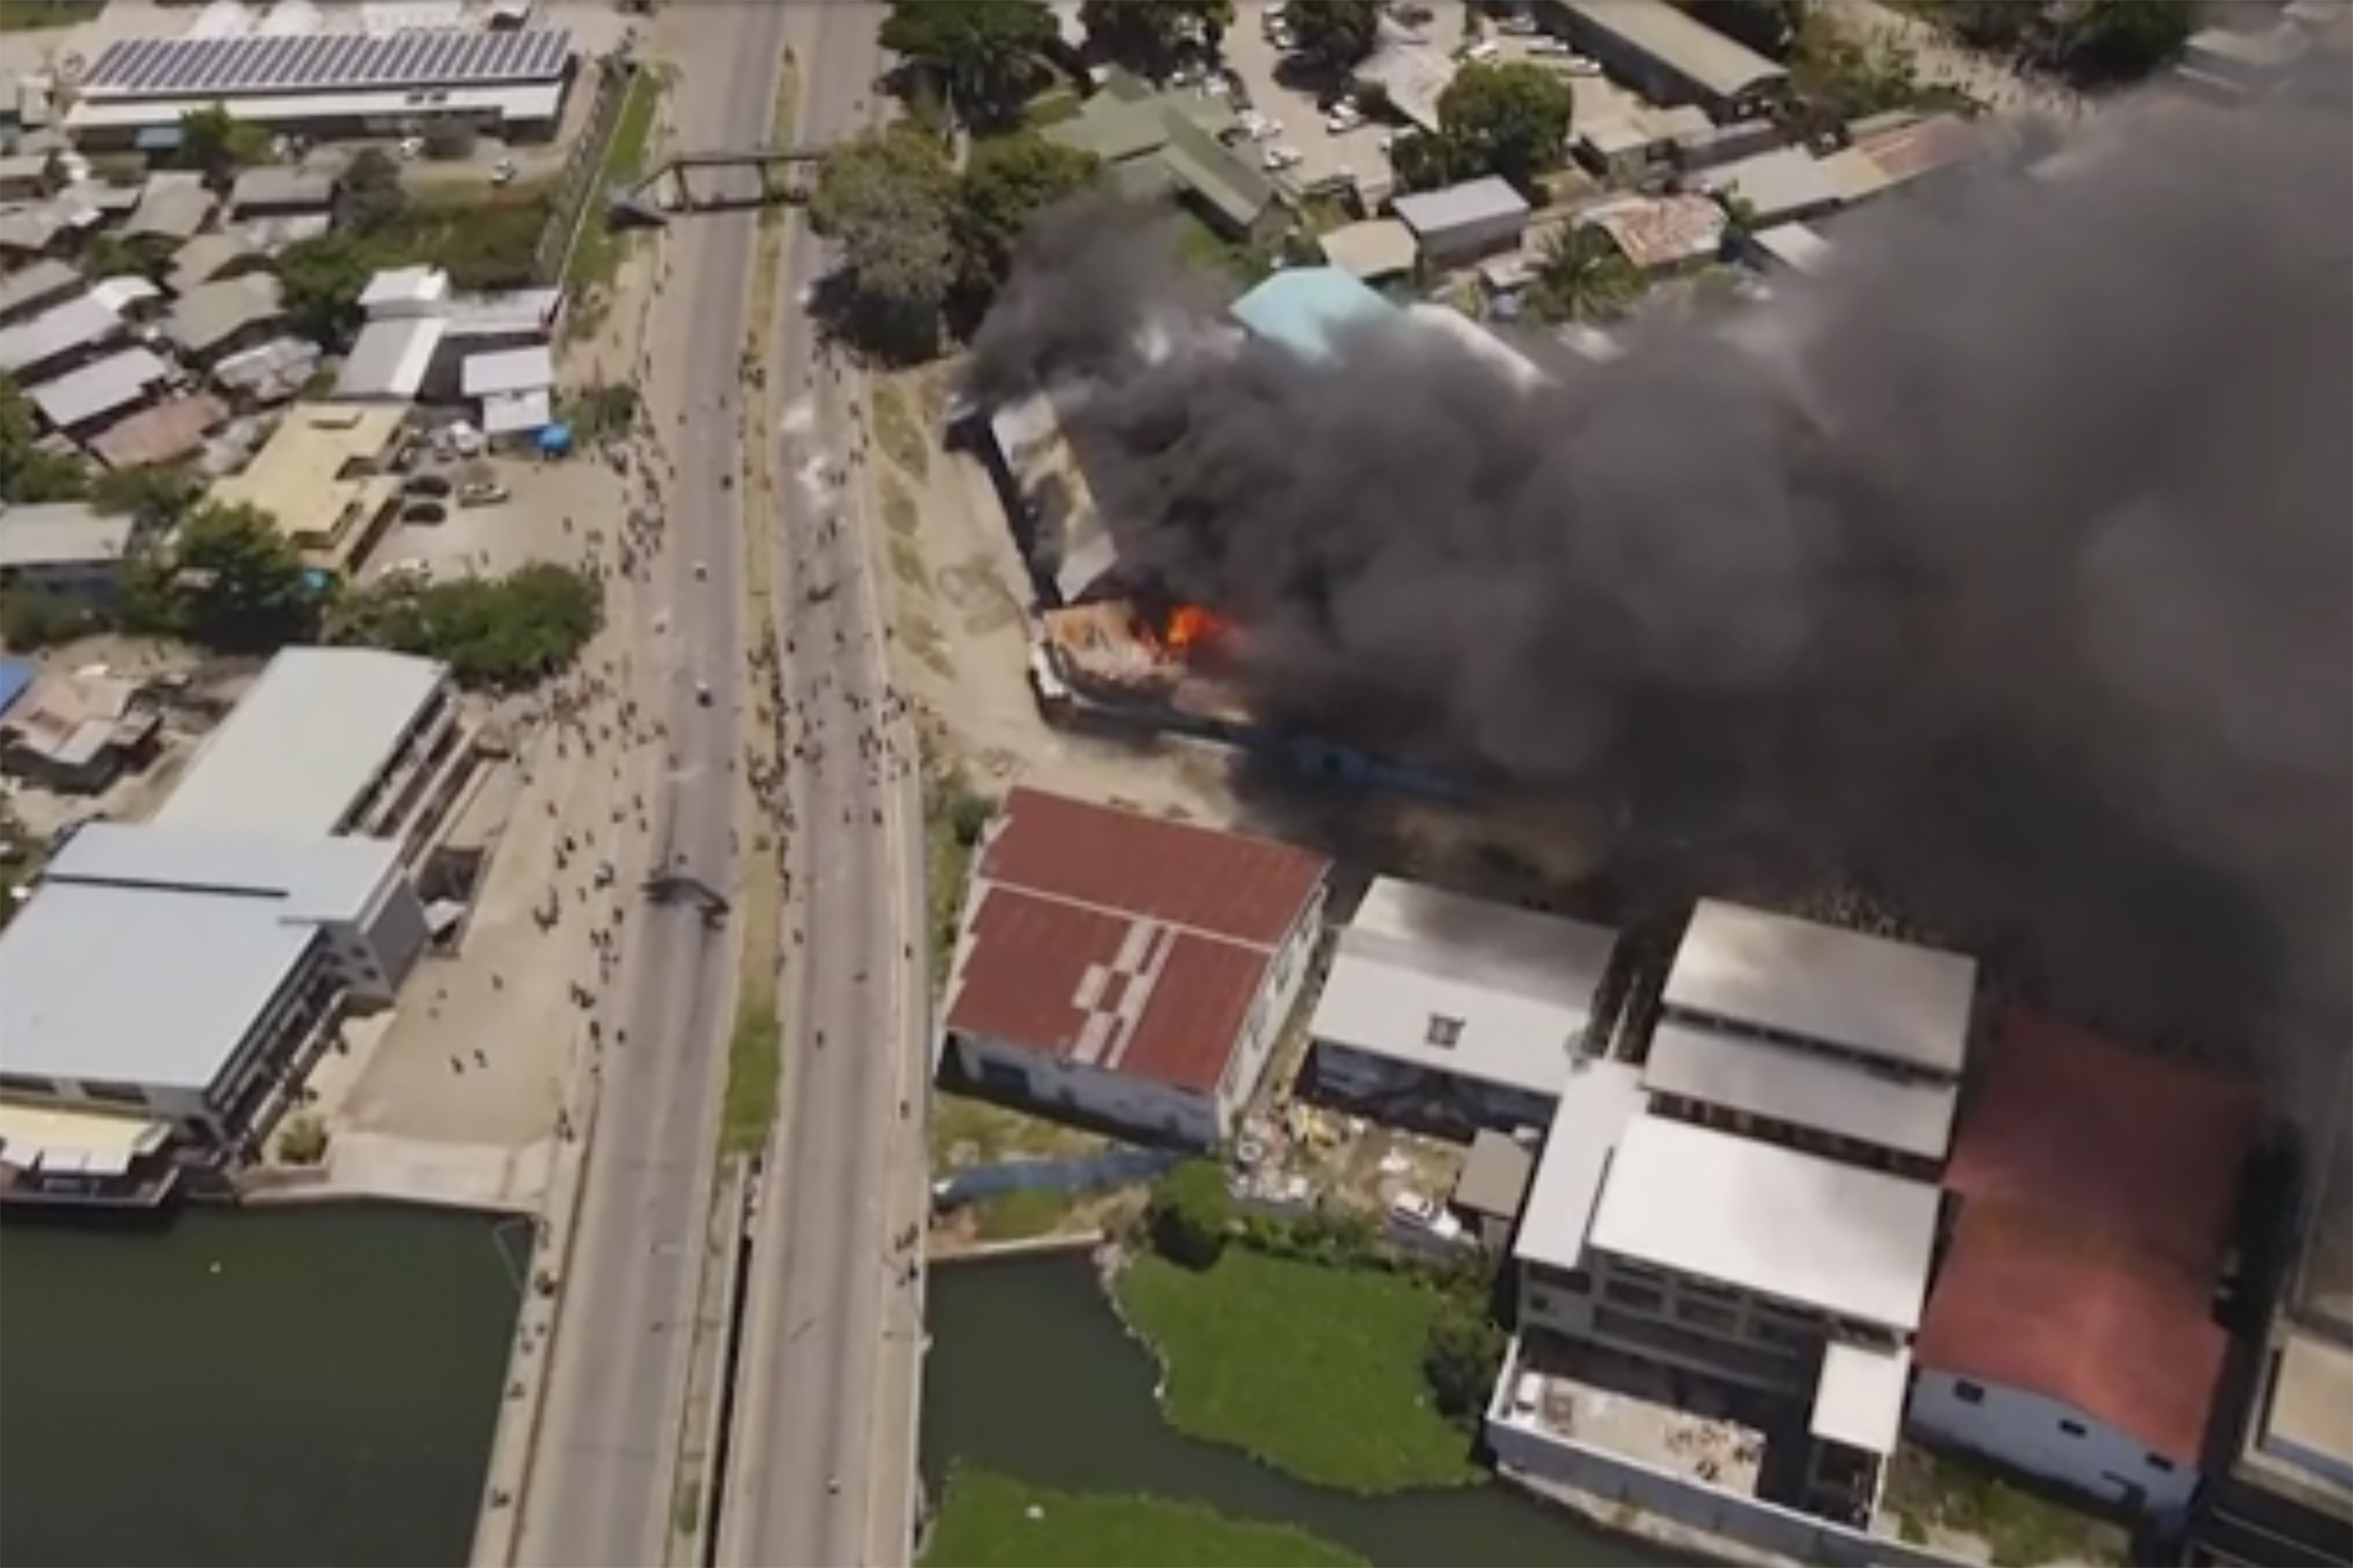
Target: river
{"type": "Point", "coordinates": [244, 1390]}
{"type": "Point", "coordinates": [1032, 1376]}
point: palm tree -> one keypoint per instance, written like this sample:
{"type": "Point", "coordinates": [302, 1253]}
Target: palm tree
{"type": "Point", "coordinates": [1583, 277]}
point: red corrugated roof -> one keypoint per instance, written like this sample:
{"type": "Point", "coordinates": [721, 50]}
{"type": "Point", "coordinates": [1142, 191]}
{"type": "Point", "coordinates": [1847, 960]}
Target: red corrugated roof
{"type": "Point", "coordinates": [2122, 1143]}
{"type": "Point", "coordinates": [2027, 1300]}
{"type": "Point", "coordinates": [1128, 942]}
{"type": "Point", "coordinates": [1225, 884]}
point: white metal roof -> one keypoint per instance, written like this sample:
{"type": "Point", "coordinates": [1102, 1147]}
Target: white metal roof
{"type": "Point", "coordinates": [1805, 1088]}
{"type": "Point", "coordinates": [1692, 49]}
{"type": "Point", "coordinates": [1745, 1212]}
{"type": "Point", "coordinates": [529, 369]}
{"type": "Point", "coordinates": [146, 954]}
{"type": "Point", "coordinates": [116, 382]}
{"type": "Point", "coordinates": [1889, 999]}
{"type": "Point", "coordinates": [76, 323]}
{"type": "Point", "coordinates": [1599, 1100]}
{"type": "Point", "coordinates": [403, 288]}
{"type": "Point", "coordinates": [1488, 200]}
{"type": "Point", "coordinates": [1785, 181]}
{"type": "Point", "coordinates": [389, 359]}
{"type": "Point", "coordinates": [307, 741]}
{"type": "Point", "coordinates": [516, 413]}
{"type": "Point", "coordinates": [1511, 989]}
{"type": "Point", "coordinates": [43, 280]}
{"type": "Point", "coordinates": [61, 533]}
{"type": "Point", "coordinates": [1860, 1395]}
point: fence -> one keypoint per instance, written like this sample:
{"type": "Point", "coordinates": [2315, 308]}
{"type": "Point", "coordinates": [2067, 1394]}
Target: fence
{"type": "Point", "coordinates": [577, 189]}
{"type": "Point", "coordinates": [1414, 1241]}
{"type": "Point", "coordinates": [1093, 1172]}
{"type": "Point", "coordinates": [1615, 1479]}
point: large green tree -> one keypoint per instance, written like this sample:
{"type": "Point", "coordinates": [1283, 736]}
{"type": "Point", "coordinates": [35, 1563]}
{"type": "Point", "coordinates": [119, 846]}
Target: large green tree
{"type": "Point", "coordinates": [323, 279]}
{"type": "Point", "coordinates": [219, 144]}
{"type": "Point", "coordinates": [1147, 34]}
{"type": "Point", "coordinates": [2123, 40]}
{"type": "Point", "coordinates": [29, 474]}
{"type": "Point", "coordinates": [1009, 182]}
{"type": "Point", "coordinates": [494, 632]}
{"type": "Point", "coordinates": [986, 57]}
{"type": "Point", "coordinates": [1190, 1213]}
{"type": "Point", "coordinates": [1583, 277]}
{"type": "Point", "coordinates": [229, 580]}
{"type": "Point", "coordinates": [370, 198]}
{"type": "Point", "coordinates": [1511, 120]}
{"type": "Point", "coordinates": [888, 198]}
{"type": "Point", "coordinates": [1338, 33]}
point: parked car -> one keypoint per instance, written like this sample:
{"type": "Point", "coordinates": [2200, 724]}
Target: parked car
{"type": "Point", "coordinates": [1418, 1213]}
{"type": "Point", "coordinates": [502, 172]}
{"type": "Point", "coordinates": [482, 493]}
{"type": "Point", "coordinates": [428, 511]}
{"type": "Point", "coordinates": [435, 485]}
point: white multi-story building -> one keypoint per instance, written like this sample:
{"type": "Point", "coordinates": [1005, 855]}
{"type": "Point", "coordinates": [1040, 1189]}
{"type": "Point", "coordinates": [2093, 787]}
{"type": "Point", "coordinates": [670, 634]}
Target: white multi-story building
{"type": "Point", "coordinates": [1129, 969]}
{"type": "Point", "coordinates": [188, 977]}
{"type": "Point", "coordinates": [1456, 1011]}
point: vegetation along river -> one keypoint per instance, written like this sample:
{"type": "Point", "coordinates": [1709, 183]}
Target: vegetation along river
{"type": "Point", "coordinates": [1032, 1376]}
{"type": "Point", "coordinates": [244, 1390]}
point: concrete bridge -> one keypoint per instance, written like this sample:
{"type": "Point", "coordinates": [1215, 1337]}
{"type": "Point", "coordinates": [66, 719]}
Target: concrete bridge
{"type": "Point", "coordinates": [708, 181]}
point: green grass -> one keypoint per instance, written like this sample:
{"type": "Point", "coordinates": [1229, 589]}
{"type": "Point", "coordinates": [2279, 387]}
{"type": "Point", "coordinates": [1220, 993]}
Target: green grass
{"type": "Point", "coordinates": [1313, 1371]}
{"type": "Point", "coordinates": [987, 1523]}
{"type": "Point", "coordinates": [755, 1059]}
{"type": "Point", "coordinates": [1019, 1216]}
{"type": "Point", "coordinates": [2021, 1528]}
{"type": "Point", "coordinates": [968, 1130]}
{"type": "Point", "coordinates": [32, 15]}
{"type": "Point", "coordinates": [486, 236]}
{"type": "Point", "coordinates": [596, 254]}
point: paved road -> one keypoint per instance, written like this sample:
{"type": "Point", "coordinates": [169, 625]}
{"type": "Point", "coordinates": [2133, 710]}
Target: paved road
{"type": "Point", "coordinates": [601, 1494]}
{"type": "Point", "coordinates": [822, 1465]}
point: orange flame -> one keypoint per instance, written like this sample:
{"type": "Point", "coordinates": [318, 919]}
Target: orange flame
{"type": "Point", "coordinates": [1189, 625]}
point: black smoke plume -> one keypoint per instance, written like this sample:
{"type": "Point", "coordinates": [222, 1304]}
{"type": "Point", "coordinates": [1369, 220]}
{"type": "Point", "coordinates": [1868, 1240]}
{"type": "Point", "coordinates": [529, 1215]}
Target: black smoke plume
{"type": "Point", "coordinates": [2005, 571]}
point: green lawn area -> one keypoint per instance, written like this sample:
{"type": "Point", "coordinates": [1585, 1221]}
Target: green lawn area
{"type": "Point", "coordinates": [31, 16]}
{"type": "Point", "coordinates": [596, 254]}
{"type": "Point", "coordinates": [986, 1523]}
{"type": "Point", "coordinates": [1314, 1371]}
{"type": "Point", "coordinates": [1019, 1216]}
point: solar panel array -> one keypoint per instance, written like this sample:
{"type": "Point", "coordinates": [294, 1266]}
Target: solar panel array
{"type": "Point", "coordinates": [335, 62]}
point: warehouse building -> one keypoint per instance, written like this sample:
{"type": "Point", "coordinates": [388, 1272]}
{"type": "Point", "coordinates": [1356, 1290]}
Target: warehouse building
{"type": "Point", "coordinates": [1455, 1012]}
{"type": "Point", "coordinates": [336, 86]}
{"type": "Point", "coordinates": [1667, 55]}
{"type": "Point", "coordinates": [330, 741]}
{"type": "Point", "coordinates": [1467, 223]}
{"type": "Point", "coordinates": [1127, 969]}
{"type": "Point", "coordinates": [1837, 1044]}
{"type": "Point", "coordinates": [188, 977]}
{"type": "Point", "coordinates": [2071, 1332]}
{"type": "Point", "coordinates": [324, 475]}
{"type": "Point", "coordinates": [420, 335]}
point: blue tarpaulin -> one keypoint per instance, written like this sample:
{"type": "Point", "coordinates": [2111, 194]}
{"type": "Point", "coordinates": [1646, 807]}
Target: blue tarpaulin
{"type": "Point", "coordinates": [555, 440]}
{"type": "Point", "coordinates": [16, 677]}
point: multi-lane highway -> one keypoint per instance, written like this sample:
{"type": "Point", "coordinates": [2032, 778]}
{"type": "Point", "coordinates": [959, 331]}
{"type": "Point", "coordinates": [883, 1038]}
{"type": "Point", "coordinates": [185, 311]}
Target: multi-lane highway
{"type": "Point", "coordinates": [822, 1457]}
{"type": "Point", "coordinates": [601, 1494]}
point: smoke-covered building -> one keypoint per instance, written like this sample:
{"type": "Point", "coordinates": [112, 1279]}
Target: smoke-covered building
{"type": "Point", "coordinates": [1128, 969]}
{"type": "Point", "coordinates": [2071, 1334]}
{"type": "Point", "coordinates": [1455, 1012]}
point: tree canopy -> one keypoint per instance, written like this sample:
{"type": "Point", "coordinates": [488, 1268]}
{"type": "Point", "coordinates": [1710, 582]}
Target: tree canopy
{"type": "Point", "coordinates": [986, 56]}
{"type": "Point", "coordinates": [1511, 120]}
{"type": "Point", "coordinates": [494, 632]}
{"type": "Point", "coordinates": [29, 474]}
{"type": "Point", "coordinates": [1009, 182]}
{"type": "Point", "coordinates": [888, 199]}
{"type": "Point", "coordinates": [229, 580]}
{"type": "Point", "coordinates": [321, 280]}
{"type": "Point", "coordinates": [2123, 40]}
{"type": "Point", "coordinates": [1338, 33]}
{"type": "Point", "coordinates": [370, 198]}
{"type": "Point", "coordinates": [1190, 1213]}
{"type": "Point", "coordinates": [1583, 277]}
{"type": "Point", "coordinates": [1460, 1360]}
{"type": "Point", "coordinates": [219, 144]}
{"type": "Point", "coordinates": [1149, 35]}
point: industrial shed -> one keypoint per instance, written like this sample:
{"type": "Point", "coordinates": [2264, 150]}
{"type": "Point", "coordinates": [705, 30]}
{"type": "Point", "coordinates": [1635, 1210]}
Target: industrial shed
{"type": "Point", "coordinates": [1462, 223]}
{"type": "Point", "coordinates": [1127, 968]}
{"type": "Point", "coordinates": [1670, 56]}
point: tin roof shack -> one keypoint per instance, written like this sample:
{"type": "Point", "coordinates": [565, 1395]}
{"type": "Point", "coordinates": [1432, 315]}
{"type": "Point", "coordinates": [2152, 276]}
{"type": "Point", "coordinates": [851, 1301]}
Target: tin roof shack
{"type": "Point", "coordinates": [210, 259]}
{"type": "Point", "coordinates": [1048, 501]}
{"type": "Point", "coordinates": [2071, 1333]}
{"type": "Point", "coordinates": [1661, 236]}
{"type": "Point", "coordinates": [99, 394]}
{"type": "Point", "coordinates": [27, 177]}
{"type": "Point", "coordinates": [77, 733]}
{"type": "Point", "coordinates": [28, 291]}
{"type": "Point", "coordinates": [62, 547]}
{"type": "Point", "coordinates": [214, 321]}
{"type": "Point", "coordinates": [1462, 223]}
{"type": "Point", "coordinates": [69, 334]}
{"type": "Point", "coordinates": [1128, 969]}
{"type": "Point", "coordinates": [174, 207]}
{"type": "Point", "coordinates": [282, 191]}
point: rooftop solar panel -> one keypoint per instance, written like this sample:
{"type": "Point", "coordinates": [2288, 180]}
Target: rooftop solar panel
{"type": "Point", "coordinates": [196, 67]}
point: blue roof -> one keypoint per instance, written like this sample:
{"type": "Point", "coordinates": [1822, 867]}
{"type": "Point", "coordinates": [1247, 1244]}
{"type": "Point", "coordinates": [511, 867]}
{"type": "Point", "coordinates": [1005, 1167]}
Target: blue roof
{"type": "Point", "coordinates": [1307, 308]}
{"type": "Point", "coordinates": [17, 674]}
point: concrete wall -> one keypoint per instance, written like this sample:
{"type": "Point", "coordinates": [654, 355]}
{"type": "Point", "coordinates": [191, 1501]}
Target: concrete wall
{"type": "Point", "coordinates": [1278, 995]}
{"type": "Point", "coordinates": [1616, 1480]}
{"type": "Point", "coordinates": [1154, 1111]}
{"type": "Point", "coordinates": [2047, 1438]}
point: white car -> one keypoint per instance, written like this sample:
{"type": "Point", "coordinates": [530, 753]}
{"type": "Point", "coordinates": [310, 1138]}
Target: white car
{"type": "Point", "coordinates": [1343, 118]}
{"type": "Point", "coordinates": [1418, 1213]}
{"type": "Point", "coordinates": [1281, 38]}
{"type": "Point", "coordinates": [1549, 46]}
{"type": "Point", "coordinates": [502, 172]}
{"type": "Point", "coordinates": [411, 147]}
{"type": "Point", "coordinates": [1577, 64]}
{"type": "Point", "coordinates": [1279, 158]}
{"type": "Point", "coordinates": [1482, 52]}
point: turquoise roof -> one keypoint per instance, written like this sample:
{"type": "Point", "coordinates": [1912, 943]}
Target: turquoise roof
{"type": "Point", "coordinates": [1305, 307]}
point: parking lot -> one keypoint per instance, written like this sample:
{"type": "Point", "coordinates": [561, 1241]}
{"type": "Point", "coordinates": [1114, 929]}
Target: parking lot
{"type": "Point", "coordinates": [1324, 156]}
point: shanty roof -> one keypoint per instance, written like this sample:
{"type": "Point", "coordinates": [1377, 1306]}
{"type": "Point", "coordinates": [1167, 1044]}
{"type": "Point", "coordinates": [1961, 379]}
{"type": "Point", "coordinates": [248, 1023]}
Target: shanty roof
{"type": "Point", "coordinates": [75, 324]}
{"type": "Point", "coordinates": [1905, 1004]}
{"type": "Point", "coordinates": [1131, 943]}
{"type": "Point", "coordinates": [30, 286]}
{"type": "Point", "coordinates": [390, 358]}
{"type": "Point", "coordinates": [173, 206]}
{"type": "Point", "coordinates": [205, 257]}
{"type": "Point", "coordinates": [212, 313]}
{"type": "Point", "coordinates": [1459, 985]}
{"type": "Point", "coordinates": [116, 382]}
{"type": "Point", "coordinates": [2126, 1144]}
{"type": "Point", "coordinates": [1657, 232]}
{"type": "Point", "coordinates": [1787, 181]}
{"type": "Point", "coordinates": [2032, 1300]}
{"type": "Point", "coordinates": [1371, 250]}
{"type": "Point", "coordinates": [529, 369]}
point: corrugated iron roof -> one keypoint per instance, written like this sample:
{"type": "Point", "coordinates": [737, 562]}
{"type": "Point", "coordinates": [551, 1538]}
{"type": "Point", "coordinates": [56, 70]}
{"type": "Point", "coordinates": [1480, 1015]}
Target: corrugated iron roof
{"type": "Point", "coordinates": [2034, 1302]}
{"type": "Point", "coordinates": [2127, 1146]}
